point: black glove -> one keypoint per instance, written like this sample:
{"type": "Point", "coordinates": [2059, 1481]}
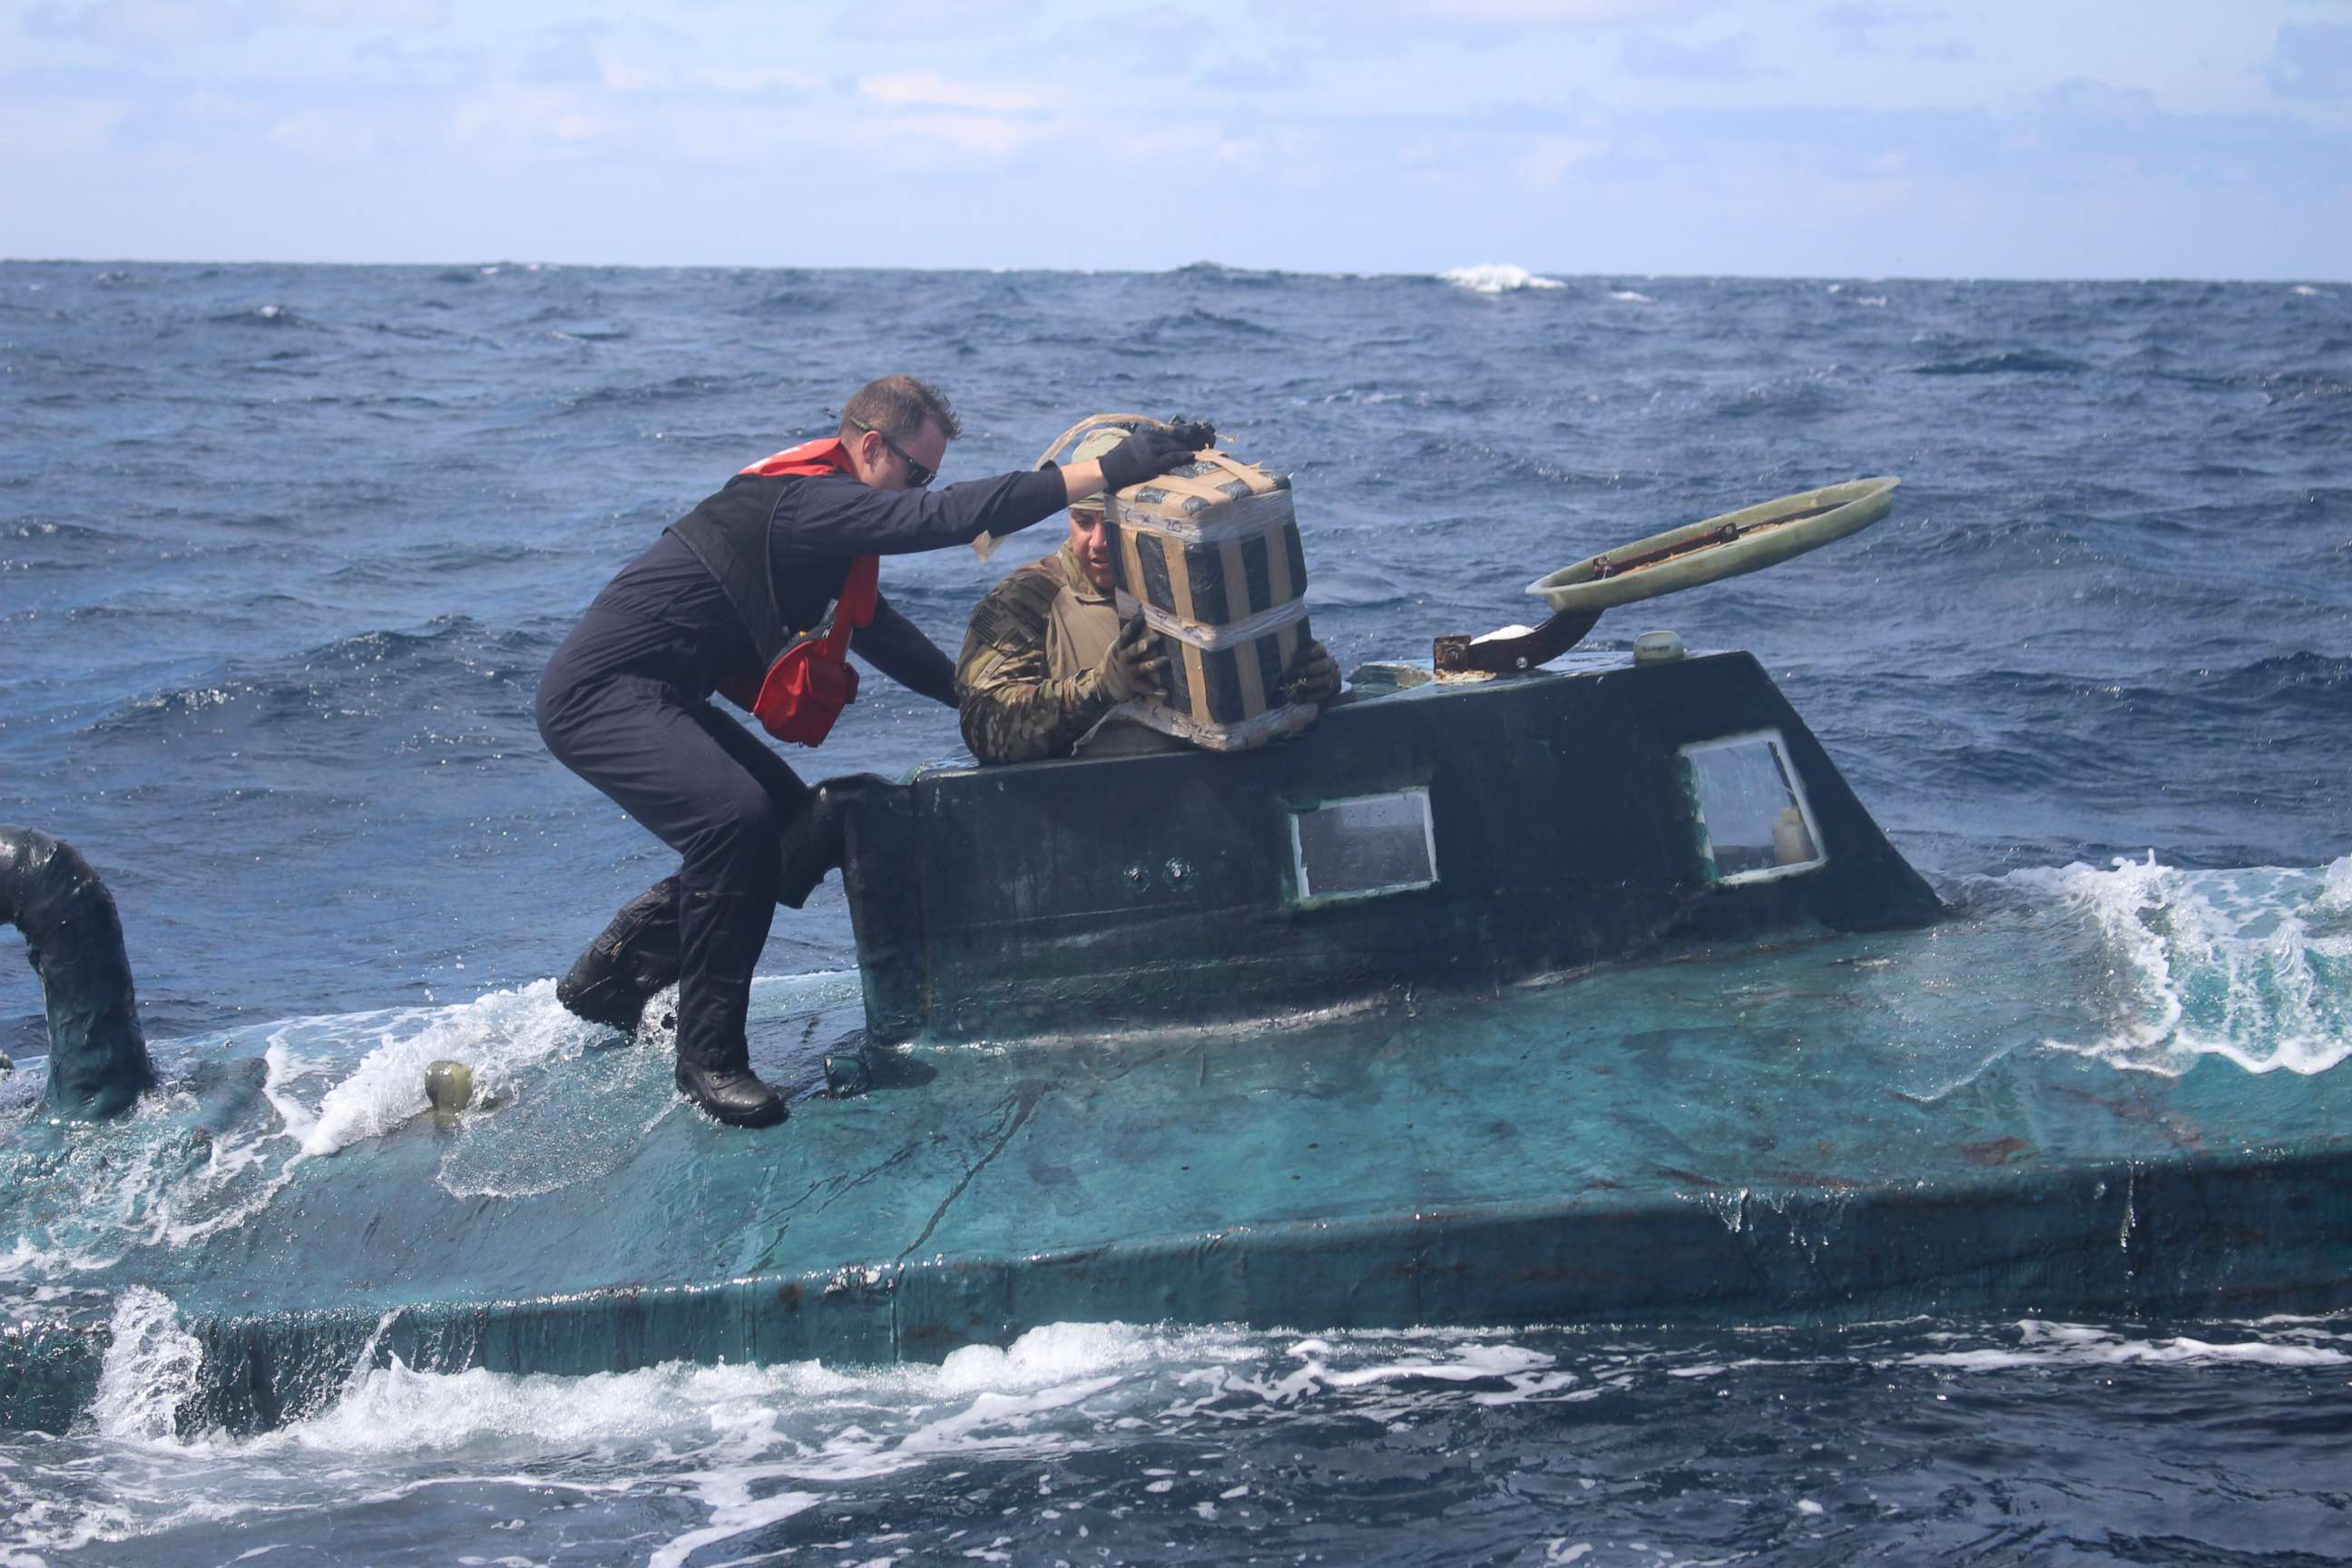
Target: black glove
{"type": "Point", "coordinates": [1197, 434]}
{"type": "Point", "coordinates": [1146, 455]}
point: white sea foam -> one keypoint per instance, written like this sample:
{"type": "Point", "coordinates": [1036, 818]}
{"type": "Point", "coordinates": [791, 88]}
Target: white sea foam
{"type": "Point", "coordinates": [326, 1102]}
{"type": "Point", "coordinates": [157, 1177]}
{"type": "Point", "coordinates": [2252, 966]}
{"type": "Point", "coordinates": [2044, 1345]}
{"type": "Point", "coordinates": [2335, 888]}
{"type": "Point", "coordinates": [1468, 1363]}
{"type": "Point", "coordinates": [734, 1511]}
{"type": "Point", "coordinates": [1042, 1357]}
{"type": "Point", "coordinates": [1497, 278]}
{"type": "Point", "coordinates": [396, 1410]}
{"type": "Point", "coordinates": [752, 1446]}
{"type": "Point", "coordinates": [2308, 293]}
{"type": "Point", "coordinates": [1631, 297]}
{"type": "Point", "coordinates": [209, 1152]}
{"type": "Point", "coordinates": [150, 1365]}
{"type": "Point", "coordinates": [755, 1445]}
{"type": "Point", "coordinates": [134, 1482]}
{"type": "Point", "coordinates": [497, 1036]}
{"type": "Point", "coordinates": [977, 1393]}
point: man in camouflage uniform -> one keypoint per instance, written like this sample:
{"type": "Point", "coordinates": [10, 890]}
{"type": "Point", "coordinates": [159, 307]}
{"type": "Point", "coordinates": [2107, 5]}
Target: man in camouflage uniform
{"type": "Point", "coordinates": [1046, 658]}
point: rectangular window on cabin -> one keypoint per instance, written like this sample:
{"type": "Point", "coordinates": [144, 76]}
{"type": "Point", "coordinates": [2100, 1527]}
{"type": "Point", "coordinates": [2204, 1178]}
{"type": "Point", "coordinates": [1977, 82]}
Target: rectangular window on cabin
{"type": "Point", "coordinates": [1364, 847]}
{"type": "Point", "coordinates": [1753, 822]}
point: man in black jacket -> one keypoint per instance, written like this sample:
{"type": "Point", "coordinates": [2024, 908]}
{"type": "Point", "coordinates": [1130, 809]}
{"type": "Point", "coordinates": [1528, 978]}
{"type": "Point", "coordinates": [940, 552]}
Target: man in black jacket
{"type": "Point", "coordinates": [625, 702]}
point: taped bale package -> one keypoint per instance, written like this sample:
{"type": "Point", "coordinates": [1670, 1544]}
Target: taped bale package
{"type": "Point", "coordinates": [1209, 554]}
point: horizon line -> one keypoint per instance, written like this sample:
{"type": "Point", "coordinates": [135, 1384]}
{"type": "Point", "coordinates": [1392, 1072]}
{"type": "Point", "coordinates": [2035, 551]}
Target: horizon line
{"type": "Point", "coordinates": [1197, 266]}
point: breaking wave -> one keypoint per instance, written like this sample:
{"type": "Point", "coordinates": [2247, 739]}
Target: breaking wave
{"type": "Point", "coordinates": [239, 1113]}
{"type": "Point", "coordinates": [1108, 1441]}
{"type": "Point", "coordinates": [2290, 1343]}
{"type": "Point", "coordinates": [2252, 966]}
{"type": "Point", "coordinates": [151, 1364]}
{"type": "Point", "coordinates": [1497, 278]}
{"type": "Point", "coordinates": [497, 1036]}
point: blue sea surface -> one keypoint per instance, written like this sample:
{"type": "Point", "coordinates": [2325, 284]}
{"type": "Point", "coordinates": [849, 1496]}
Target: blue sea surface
{"type": "Point", "coordinates": [284, 549]}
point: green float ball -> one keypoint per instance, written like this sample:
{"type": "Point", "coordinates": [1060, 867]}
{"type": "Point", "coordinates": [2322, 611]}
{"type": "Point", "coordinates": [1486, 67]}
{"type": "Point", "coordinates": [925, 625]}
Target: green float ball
{"type": "Point", "coordinates": [449, 1086]}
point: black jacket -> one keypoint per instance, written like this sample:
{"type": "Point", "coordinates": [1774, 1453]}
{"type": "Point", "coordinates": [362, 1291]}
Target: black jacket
{"type": "Point", "coordinates": [666, 617]}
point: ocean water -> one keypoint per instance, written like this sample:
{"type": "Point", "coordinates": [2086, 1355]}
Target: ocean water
{"type": "Point", "coordinates": [282, 551]}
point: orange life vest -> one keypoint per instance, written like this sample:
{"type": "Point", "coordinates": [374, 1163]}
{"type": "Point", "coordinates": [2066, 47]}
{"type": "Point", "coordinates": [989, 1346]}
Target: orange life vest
{"type": "Point", "coordinates": [812, 681]}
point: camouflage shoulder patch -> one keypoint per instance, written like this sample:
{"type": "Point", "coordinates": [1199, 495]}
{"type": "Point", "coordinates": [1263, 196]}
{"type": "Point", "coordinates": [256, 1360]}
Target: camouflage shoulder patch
{"type": "Point", "coordinates": [1014, 612]}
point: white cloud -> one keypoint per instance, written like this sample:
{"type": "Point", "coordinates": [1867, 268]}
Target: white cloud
{"type": "Point", "coordinates": [929, 89]}
{"type": "Point", "coordinates": [203, 104]}
{"type": "Point", "coordinates": [518, 117]}
{"type": "Point", "coordinates": [324, 133]}
{"type": "Point", "coordinates": [634, 78]}
{"type": "Point", "coordinates": [733, 131]}
{"type": "Point", "coordinates": [1548, 12]}
{"type": "Point", "coordinates": [2084, 98]}
{"type": "Point", "coordinates": [1546, 163]}
{"type": "Point", "coordinates": [49, 132]}
{"type": "Point", "coordinates": [622, 133]}
{"type": "Point", "coordinates": [570, 58]}
{"type": "Point", "coordinates": [151, 23]}
{"type": "Point", "coordinates": [623, 76]}
{"type": "Point", "coordinates": [1725, 59]}
{"type": "Point", "coordinates": [754, 134]}
{"type": "Point", "coordinates": [2313, 63]}
{"type": "Point", "coordinates": [1187, 145]}
{"type": "Point", "coordinates": [133, 23]}
{"type": "Point", "coordinates": [364, 13]}
{"type": "Point", "coordinates": [991, 121]}
{"type": "Point", "coordinates": [990, 136]}
{"type": "Point", "coordinates": [759, 78]}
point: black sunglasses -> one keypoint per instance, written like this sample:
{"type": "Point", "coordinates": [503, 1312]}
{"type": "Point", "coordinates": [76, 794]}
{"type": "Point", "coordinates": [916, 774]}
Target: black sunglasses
{"type": "Point", "coordinates": [918, 477]}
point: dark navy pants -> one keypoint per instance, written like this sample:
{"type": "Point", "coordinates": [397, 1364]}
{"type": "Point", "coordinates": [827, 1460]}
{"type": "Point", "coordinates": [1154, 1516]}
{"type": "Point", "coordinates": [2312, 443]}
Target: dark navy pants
{"type": "Point", "coordinates": [710, 790]}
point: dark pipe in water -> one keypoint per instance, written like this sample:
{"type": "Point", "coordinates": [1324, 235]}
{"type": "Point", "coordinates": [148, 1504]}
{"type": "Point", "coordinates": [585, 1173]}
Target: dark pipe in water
{"type": "Point", "coordinates": [98, 1056]}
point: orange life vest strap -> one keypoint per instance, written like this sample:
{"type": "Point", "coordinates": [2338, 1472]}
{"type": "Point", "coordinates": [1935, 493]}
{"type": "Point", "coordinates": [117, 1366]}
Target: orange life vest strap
{"type": "Point", "coordinates": [810, 681]}
{"type": "Point", "coordinates": [807, 460]}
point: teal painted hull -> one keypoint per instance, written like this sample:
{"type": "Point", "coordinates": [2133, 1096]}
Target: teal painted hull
{"type": "Point", "coordinates": [1820, 1126]}
{"type": "Point", "coordinates": [1832, 1131]}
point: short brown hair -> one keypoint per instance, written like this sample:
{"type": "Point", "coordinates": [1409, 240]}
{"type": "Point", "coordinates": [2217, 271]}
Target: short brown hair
{"type": "Point", "coordinates": [898, 406]}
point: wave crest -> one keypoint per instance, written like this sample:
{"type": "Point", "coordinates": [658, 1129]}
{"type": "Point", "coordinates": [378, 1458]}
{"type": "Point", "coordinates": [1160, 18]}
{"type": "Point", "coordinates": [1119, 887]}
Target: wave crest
{"type": "Point", "coordinates": [2252, 966]}
{"type": "Point", "coordinates": [497, 1036]}
{"type": "Point", "coordinates": [1496, 277]}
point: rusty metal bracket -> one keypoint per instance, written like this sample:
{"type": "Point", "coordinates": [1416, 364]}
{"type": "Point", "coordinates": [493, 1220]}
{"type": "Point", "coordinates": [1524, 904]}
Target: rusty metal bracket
{"type": "Point", "coordinates": [1501, 656]}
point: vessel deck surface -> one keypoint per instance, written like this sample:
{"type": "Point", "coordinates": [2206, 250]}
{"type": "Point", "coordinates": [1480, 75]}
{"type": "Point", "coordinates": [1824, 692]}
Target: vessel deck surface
{"type": "Point", "coordinates": [1841, 1128]}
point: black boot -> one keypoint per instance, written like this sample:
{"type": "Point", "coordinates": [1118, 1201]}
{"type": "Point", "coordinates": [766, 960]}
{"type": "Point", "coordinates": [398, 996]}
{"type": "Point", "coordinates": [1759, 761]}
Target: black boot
{"type": "Point", "coordinates": [732, 1095]}
{"type": "Point", "coordinates": [635, 956]}
{"type": "Point", "coordinates": [813, 840]}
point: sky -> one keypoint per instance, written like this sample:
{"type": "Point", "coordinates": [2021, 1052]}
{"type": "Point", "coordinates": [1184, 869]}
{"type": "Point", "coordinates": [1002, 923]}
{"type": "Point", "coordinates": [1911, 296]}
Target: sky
{"type": "Point", "coordinates": [1857, 138]}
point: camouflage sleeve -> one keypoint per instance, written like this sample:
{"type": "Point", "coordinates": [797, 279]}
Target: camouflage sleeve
{"type": "Point", "coordinates": [1010, 711]}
